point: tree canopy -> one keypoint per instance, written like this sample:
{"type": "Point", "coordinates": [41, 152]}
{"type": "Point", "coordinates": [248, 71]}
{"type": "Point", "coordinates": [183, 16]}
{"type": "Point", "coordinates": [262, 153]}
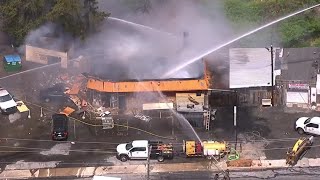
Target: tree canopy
{"type": "Point", "coordinates": [301, 30]}
{"type": "Point", "coordinates": [77, 17]}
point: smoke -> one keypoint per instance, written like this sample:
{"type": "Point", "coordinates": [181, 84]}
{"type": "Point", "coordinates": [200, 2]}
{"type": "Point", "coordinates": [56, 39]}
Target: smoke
{"type": "Point", "coordinates": [49, 36]}
{"type": "Point", "coordinates": [121, 50]}
{"type": "Point", "coordinates": [141, 53]}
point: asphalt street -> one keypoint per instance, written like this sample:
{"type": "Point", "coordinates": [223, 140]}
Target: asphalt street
{"type": "Point", "coordinates": [268, 130]}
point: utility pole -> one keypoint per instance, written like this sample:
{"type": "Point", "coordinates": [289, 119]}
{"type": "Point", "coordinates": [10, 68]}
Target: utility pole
{"type": "Point", "coordinates": [148, 163]}
{"type": "Point", "coordinates": [272, 82]}
{"type": "Point", "coordinates": [235, 123]}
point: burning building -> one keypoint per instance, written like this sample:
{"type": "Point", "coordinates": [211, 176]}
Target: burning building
{"type": "Point", "coordinates": [187, 96]}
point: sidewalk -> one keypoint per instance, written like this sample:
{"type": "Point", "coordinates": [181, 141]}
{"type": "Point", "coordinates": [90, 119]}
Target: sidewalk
{"type": "Point", "coordinates": [154, 168]}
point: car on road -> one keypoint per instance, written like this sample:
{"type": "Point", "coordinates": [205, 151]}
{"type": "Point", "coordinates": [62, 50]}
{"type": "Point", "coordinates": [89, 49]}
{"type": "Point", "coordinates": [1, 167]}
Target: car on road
{"type": "Point", "coordinates": [59, 127]}
{"type": "Point", "coordinates": [55, 93]}
{"type": "Point", "coordinates": [310, 125]}
{"type": "Point", "coordinates": [7, 103]}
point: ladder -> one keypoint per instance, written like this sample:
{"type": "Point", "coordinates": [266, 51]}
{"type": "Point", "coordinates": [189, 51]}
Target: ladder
{"type": "Point", "coordinates": [207, 120]}
{"type": "Point", "coordinates": [206, 112]}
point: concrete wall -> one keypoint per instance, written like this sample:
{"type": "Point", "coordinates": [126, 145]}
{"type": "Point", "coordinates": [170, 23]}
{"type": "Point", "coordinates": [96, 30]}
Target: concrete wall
{"type": "Point", "coordinates": [39, 55]}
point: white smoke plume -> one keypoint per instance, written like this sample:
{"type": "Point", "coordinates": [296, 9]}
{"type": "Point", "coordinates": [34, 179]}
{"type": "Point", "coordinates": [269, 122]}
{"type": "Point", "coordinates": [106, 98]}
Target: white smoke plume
{"type": "Point", "coordinates": [148, 54]}
{"type": "Point", "coordinates": [122, 51]}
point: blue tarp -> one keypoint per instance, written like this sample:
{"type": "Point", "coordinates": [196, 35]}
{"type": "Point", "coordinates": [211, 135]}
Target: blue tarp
{"type": "Point", "coordinates": [12, 58]}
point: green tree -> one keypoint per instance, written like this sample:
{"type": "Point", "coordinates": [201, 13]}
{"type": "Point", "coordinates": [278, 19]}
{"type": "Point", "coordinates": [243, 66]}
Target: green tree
{"type": "Point", "coordinates": [77, 17]}
{"type": "Point", "coordinates": [295, 32]}
{"type": "Point", "coordinates": [142, 6]}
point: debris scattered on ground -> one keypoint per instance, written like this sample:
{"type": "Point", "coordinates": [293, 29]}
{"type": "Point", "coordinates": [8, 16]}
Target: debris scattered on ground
{"type": "Point", "coordinates": [253, 145]}
{"type": "Point", "coordinates": [58, 149]}
{"type": "Point", "coordinates": [14, 117]}
{"type": "Point", "coordinates": [143, 117]}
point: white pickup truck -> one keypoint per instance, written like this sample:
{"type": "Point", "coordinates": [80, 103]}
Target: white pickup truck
{"type": "Point", "coordinates": [139, 149]}
{"type": "Point", "coordinates": [7, 103]}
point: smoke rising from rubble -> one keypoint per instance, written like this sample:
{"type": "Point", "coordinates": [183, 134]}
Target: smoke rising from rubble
{"type": "Point", "coordinates": [49, 36]}
{"type": "Point", "coordinates": [123, 51]}
{"type": "Point", "coordinates": [145, 54]}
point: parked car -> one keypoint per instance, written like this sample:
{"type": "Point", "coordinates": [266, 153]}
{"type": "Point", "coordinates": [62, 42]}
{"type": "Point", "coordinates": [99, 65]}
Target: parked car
{"type": "Point", "coordinates": [7, 103]}
{"type": "Point", "coordinates": [310, 125]}
{"type": "Point", "coordinates": [56, 93]}
{"type": "Point", "coordinates": [59, 127]}
{"type": "Point", "coordinates": [141, 149]}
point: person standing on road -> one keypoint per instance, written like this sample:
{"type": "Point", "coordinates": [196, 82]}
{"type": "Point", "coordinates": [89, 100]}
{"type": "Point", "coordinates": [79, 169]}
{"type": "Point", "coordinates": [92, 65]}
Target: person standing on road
{"type": "Point", "coordinates": [226, 175]}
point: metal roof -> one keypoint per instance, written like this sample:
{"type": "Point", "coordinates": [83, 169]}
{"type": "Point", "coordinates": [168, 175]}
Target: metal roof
{"type": "Point", "coordinates": [12, 58]}
{"type": "Point", "coordinates": [249, 67]}
{"type": "Point", "coordinates": [298, 63]}
{"type": "Point", "coordinates": [137, 143]}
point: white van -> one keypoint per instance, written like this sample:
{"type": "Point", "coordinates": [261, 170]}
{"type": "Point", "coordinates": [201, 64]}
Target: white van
{"type": "Point", "coordinates": [7, 103]}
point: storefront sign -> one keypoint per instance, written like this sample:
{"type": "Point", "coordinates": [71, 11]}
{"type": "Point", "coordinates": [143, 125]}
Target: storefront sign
{"type": "Point", "coordinates": [299, 86]}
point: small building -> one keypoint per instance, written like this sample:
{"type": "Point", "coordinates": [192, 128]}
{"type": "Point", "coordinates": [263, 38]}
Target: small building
{"type": "Point", "coordinates": [12, 63]}
{"type": "Point", "coordinates": [299, 76]}
{"type": "Point", "coordinates": [250, 75]}
{"type": "Point", "coordinates": [187, 96]}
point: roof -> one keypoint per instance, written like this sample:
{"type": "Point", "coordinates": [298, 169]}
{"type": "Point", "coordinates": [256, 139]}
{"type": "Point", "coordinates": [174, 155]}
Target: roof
{"type": "Point", "coordinates": [149, 86]}
{"type": "Point", "coordinates": [298, 63]}
{"type": "Point", "coordinates": [12, 58]}
{"type": "Point", "coordinates": [171, 85]}
{"type": "Point", "coordinates": [138, 143]}
{"type": "Point", "coordinates": [249, 67]}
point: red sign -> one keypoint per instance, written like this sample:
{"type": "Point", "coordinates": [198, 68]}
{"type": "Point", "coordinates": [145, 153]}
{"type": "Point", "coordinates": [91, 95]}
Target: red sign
{"type": "Point", "coordinates": [299, 86]}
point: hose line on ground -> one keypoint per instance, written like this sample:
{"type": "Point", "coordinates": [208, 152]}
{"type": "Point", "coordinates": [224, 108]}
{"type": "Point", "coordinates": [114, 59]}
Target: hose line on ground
{"type": "Point", "coordinates": [96, 125]}
{"type": "Point", "coordinates": [234, 155]}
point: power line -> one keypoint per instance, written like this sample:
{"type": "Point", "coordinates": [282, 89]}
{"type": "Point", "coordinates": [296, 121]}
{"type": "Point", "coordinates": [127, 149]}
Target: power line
{"type": "Point", "coordinates": [34, 148]}
{"type": "Point", "coordinates": [94, 125]}
{"type": "Point", "coordinates": [113, 152]}
{"type": "Point", "coordinates": [45, 140]}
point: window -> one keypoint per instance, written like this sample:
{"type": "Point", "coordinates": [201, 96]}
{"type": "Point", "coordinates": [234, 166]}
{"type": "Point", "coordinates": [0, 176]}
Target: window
{"type": "Point", "coordinates": [313, 125]}
{"type": "Point", "coordinates": [307, 120]}
{"type": "Point", "coordinates": [138, 149]}
{"type": "Point", "coordinates": [129, 146]}
{"type": "Point", "coordinates": [5, 98]}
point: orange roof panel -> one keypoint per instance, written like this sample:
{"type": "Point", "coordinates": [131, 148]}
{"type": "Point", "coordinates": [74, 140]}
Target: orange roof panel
{"type": "Point", "coordinates": [147, 86]}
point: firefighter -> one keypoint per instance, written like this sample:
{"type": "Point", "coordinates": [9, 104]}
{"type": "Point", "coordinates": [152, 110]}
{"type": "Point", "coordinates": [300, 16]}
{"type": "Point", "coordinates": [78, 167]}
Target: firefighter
{"type": "Point", "coordinates": [226, 175]}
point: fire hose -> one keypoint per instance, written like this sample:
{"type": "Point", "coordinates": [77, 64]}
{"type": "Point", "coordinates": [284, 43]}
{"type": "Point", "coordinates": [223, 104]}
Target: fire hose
{"type": "Point", "coordinates": [234, 155]}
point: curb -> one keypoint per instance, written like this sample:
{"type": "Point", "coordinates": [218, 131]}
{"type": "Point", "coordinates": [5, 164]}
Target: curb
{"type": "Point", "coordinates": [154, 168]}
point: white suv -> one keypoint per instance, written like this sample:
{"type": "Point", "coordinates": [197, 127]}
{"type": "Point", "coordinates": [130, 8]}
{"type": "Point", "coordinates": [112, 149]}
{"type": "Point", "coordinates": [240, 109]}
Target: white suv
{"type": "Point", "coordinates": [7, 104]}
{"type": "Point", "coordinates": [309, 125]}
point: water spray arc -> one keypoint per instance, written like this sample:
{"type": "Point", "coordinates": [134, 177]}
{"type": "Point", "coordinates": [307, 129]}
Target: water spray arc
{"type": "Point", "coordinates": [194, 59]}
{"type": "Point", "coordinates": [141, 26]}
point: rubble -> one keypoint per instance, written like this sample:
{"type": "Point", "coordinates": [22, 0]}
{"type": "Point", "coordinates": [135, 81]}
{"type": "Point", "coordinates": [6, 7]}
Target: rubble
{"type": "Point", "coordinates": [143, 117]}
{"type": "Point", "coordinates": [14, 117]}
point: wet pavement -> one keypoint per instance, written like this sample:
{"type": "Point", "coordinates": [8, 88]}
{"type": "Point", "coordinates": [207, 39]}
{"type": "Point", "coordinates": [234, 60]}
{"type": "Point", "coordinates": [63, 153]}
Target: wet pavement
{"type": "Point", "coordinates": [268, 131]}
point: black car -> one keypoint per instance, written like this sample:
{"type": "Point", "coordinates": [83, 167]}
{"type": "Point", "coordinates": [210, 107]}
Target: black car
{"type": "Point", "coordinates": [55, 93]}
{"type": "Point", "coordinates": [59, 127]}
